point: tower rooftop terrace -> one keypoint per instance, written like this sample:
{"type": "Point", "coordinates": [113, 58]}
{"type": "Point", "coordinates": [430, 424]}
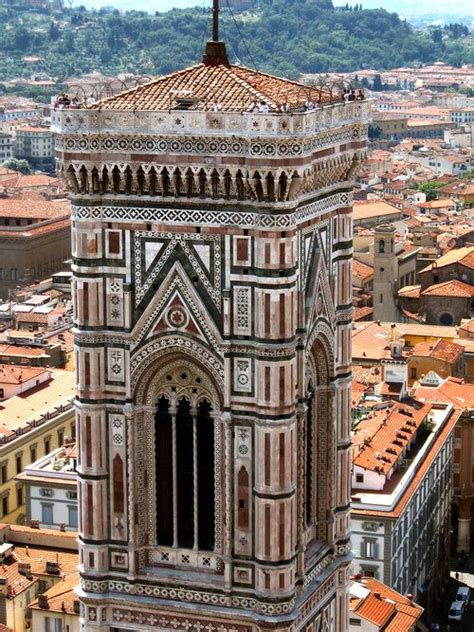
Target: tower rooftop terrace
{"type": "Point", "coordinates": [231, 88]}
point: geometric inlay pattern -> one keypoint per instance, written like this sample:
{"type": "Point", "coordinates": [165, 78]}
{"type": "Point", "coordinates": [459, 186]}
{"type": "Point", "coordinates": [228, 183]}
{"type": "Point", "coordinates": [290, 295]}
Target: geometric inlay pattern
{"type": "Point", "coordinates": [202, 217]}
{"type": "Point", "coordinates": [208, 270]}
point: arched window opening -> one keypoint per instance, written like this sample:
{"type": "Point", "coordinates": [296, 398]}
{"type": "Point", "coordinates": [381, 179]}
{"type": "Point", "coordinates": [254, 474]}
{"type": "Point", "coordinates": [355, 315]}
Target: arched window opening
{"type": "Point", "coordinates": [164, 473]}
{"type": "Point", "coordinates": [185, 473]}
{"type": "Point", "coordinates": [282, 187]}
{"type": "Point", "coordinates": [116, 180]}
{"type": "Point", "coordinates": [309, 447]}
{"type": "Point", "coordinates": [239, 182]}
{"type": "Point", "coordinates": [382, 246]}
{"type": "Point", "coordinates": [105, 181]}
{"type": "Point", "coordinates": [205, 448]}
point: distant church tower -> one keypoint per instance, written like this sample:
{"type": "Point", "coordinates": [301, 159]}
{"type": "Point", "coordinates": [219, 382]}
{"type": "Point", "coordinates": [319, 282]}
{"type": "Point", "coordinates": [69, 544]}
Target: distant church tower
{"type": "Point", "coordinates": [385, 274]}
{"type": "Point", "coordinates": [212, 282]}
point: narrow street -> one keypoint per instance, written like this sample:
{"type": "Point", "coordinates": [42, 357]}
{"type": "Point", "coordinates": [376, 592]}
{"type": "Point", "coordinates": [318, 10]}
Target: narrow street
{"type": "Point", "coordinates": [465, 577]}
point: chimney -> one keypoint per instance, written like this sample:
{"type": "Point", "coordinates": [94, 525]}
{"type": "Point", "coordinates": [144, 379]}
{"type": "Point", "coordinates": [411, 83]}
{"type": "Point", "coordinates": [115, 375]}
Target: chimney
{"type": "Point", "coordinates": [34, 524]}
{"type": "Point", "coordinates": [3, 586]}
{"type": "Point", "coordinates": [377, 595]}
{"type": "Point", "coordinates": [76, 606]}
{"type": "Point", "coordinates": [52, 568]}
{"type": "Point", "coordinates": [24, 568]}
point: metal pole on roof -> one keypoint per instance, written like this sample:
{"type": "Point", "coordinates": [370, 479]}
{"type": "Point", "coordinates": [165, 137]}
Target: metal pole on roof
{"type": "Point", "coordinates": [215, 21]}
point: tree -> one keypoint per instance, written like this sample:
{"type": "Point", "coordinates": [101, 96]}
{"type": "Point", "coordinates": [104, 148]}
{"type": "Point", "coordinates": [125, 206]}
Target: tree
{"type": "Point", "coordinates": [22, 166]}
{"type": "Point", "coordinates": [377, 85]}
{"type": "Point", "coordinates": [437, 36]}
{"type": "Point", "coordinates": [430, 189]}
{"type": "Point", "coordinates": [374, 131]}
{"type": "Point", "coordinates": [53, 31]}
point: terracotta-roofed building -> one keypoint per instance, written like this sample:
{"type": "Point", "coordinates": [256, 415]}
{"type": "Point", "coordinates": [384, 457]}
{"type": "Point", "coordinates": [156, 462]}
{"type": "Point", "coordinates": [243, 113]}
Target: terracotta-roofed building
{"type": "Point", "coordinates": [445, 204]}
{"type": "Point", "coordinates": [360, 314]}
{"type": "Point", "coordinates": [446, 303]}
{"type": "Point", "coordinates": [376, 607]}
{"type": "Point", "coordinates": [432, 388]}
{"type": "Point", "coordinates": [405, 522]}
{"type": "Point", "coordinates": [381, 439]}
{"type": "Point", "coordinates": [33, 561]}
{"type": "Point", "coordinates": [409, 297]}
{"type": "Point", "coordinates": [28, 211]}
{"type": "Point", "coordinates": [443, 357]}
{"type": "Point", "coordinates": [16, 379]}
{"type": "Point", "coordinates": [455, 264]}
{"type": "Point", "coordinates": [372, 212]}
{"type": "Point", "coordinates": [358, 391]}
{"type": "Point", "coordinates": [466, 329]}
{"type": "Point", "coordinates": [34, 239]}
{"type": "Point", "coordinates": [370, 376]}
{"type": "Point", "coordinates": [32, 424]}
{"type": "Point", "coordinates": [58, 603]}
{"type": "Point", "coordinates": [361, 273]}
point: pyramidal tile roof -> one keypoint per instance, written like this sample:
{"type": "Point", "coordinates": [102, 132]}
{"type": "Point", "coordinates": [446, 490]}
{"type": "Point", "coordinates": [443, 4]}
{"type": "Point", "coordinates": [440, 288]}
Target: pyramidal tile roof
{"type": "Point", "coordinates": [200, 87]}
{"type": "Point", "coordinates": [454, 288]}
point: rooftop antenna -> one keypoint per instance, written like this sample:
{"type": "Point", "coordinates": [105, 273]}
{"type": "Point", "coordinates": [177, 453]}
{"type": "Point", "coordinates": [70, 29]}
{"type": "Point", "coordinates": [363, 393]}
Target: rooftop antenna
{"type": "Point", "coordinates": [215, 21]}
{"type": "Point", "coordinates": [215, 53]}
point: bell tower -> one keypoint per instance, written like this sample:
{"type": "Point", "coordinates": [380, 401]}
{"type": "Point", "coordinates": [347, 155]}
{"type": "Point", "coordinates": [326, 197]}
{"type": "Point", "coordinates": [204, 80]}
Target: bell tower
{"type": "Point", "coordinates": [212, 250]}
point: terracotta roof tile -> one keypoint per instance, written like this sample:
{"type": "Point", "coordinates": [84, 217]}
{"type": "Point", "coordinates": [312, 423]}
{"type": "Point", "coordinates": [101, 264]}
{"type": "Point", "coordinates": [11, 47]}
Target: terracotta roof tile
{"type": "Point", "coordinates": [235, 88]}
{"type": "Point", "coordinates": [439, 350]}
{"type": "Point", "coordinates": [461, 395]}
{"type": "Point", "coordinates": [375, 610]}
{"type": "Point", "coordinates": [361, 269]}
{"type": "Point", "coordinates": [464, 256]}
{"type": "Point", "coordinates": [454, 288]}
{"type": "Point", "coordinates": [426, 463]}
{"type": "Point", "coordinates": [13, 374]}
{"type": "Point", "coordinates": [61, 596]}
{"type": "Point", "coordinates": [402, 614]}
{"type": "Point", "coordinates": [34, 209]}
{"type": "Point", "coordinates": [409, 291]}
{"type": "Point", "coordinates": [380, 439]}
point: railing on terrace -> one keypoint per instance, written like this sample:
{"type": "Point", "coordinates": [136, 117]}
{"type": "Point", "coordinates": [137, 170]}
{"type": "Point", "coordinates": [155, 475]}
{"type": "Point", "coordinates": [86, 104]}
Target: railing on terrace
{"type": "Point", "coordinates": [195, 122]}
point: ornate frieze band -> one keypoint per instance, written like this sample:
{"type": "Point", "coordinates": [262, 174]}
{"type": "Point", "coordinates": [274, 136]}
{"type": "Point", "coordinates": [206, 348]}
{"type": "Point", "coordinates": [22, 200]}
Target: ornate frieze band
{"type": "Point", "coordinates": [300, 124]}
{"type": "Point", "coordinates": [199, 146]}
{"type": "Point", "coordinates": [201, 217]}
{"type": "Point", "coordinates": [189, 595]}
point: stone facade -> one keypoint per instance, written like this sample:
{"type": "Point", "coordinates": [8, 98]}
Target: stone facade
{"type": "Point", "coordinates": [385, 274]}
{"type": "Point", "coordinates": [212, 283]}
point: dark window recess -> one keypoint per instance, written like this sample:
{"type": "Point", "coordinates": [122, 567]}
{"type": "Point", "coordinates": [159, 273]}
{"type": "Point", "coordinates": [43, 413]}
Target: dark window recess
{"type": "Point", "coordinates": [118, 484]}
{"type": "Point", "coordinates": [206, 505]}
{"type": "Point", "coordinates": [164, 474]}
{"type": "Point", "coordinates": [114, 242]}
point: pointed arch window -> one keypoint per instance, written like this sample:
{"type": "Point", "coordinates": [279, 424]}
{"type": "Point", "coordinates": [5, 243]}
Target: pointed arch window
{"type": "Point", "coordinates": [185, 474]}
{"type": "Point", "coordinates": [318, 441]}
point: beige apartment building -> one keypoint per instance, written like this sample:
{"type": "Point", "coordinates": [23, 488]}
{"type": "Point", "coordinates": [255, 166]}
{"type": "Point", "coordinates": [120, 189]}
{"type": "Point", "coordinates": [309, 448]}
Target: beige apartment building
{"type": "Point", "coordinates": [36, 145]}
{"type": "Point", "coordinates": [32, 425]}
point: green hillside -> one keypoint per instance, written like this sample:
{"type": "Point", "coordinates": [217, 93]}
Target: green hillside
{"type": "Point", "coordinates": [287, 37]}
